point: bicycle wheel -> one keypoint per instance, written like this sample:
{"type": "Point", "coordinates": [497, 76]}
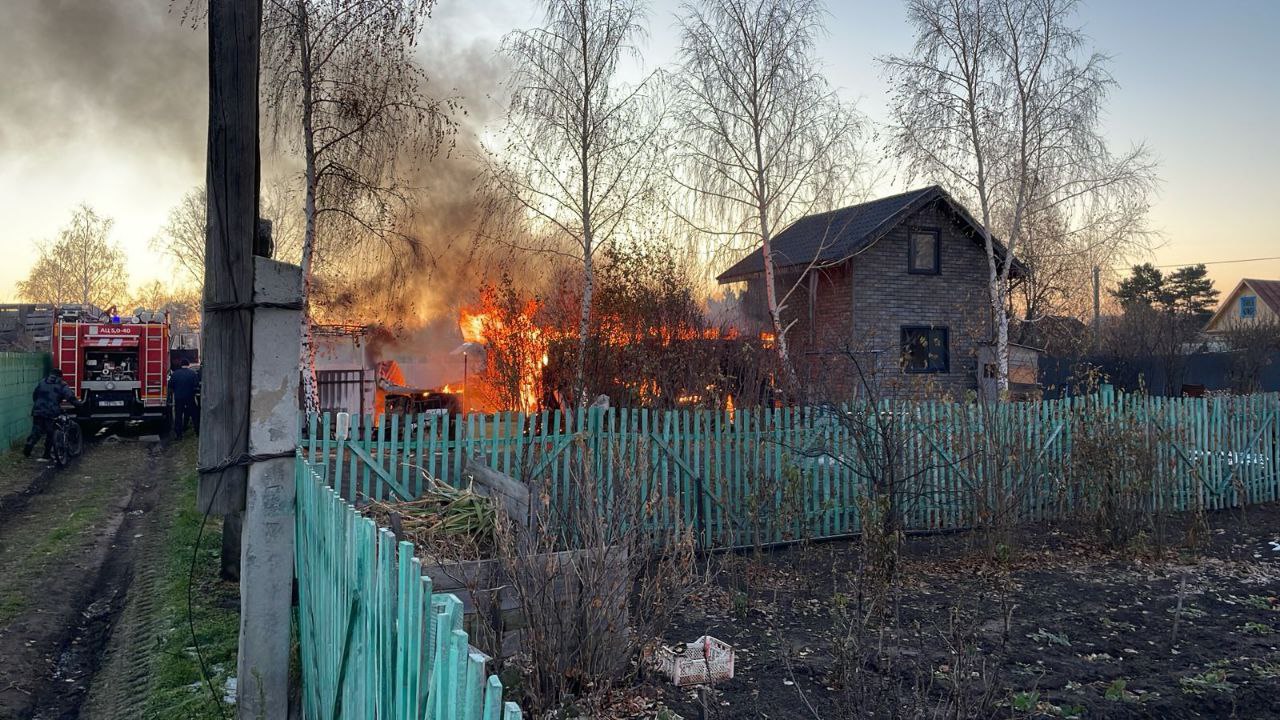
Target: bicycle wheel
{"type": "Point", "coordinates": [60, 454]}
{"type": "Point", "coordinates": [75, 439]}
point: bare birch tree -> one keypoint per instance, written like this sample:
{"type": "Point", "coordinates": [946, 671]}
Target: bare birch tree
{"type": "Point", "coordinates": [764, 138]}
{"type": "Point", "coordinates": [577, 141]}
{"type": "Point", "coordinates": [1000, 102]}
{"type": "Point", "coordinates": [182, 237]}
{"type": "Point", "coordinates": [1061, 247]}
{"type": "Point", "coordinates": [341, 82]}
{"type": "Point", "coordinates": [81, 266]}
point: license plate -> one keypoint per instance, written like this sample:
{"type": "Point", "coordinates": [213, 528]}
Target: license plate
{"type": "Point", "coordinates": [111, 403]}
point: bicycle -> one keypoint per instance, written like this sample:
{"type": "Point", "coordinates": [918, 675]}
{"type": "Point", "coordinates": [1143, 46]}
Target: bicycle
{"type": "Point", "coordinates": [68, 441]}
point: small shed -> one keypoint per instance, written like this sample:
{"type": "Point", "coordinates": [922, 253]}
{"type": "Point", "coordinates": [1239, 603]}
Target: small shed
{"type": "Point", "coordinates": [1024, 372]}
{"type": "Point", "coordinates": [346, 369]}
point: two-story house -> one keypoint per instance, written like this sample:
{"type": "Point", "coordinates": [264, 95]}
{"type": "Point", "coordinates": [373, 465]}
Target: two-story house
{"type": "Point", "coordinates": [890, 294]}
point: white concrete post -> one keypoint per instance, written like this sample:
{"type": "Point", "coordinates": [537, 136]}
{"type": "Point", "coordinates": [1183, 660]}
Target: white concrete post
{"type": "Point", "coordinates": [266, 552]}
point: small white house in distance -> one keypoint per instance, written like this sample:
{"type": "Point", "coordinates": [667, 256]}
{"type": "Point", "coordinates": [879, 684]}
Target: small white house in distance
{"type": "Point", "coordinates": [346, 369]}
{"type": "Point", "coordinates": [1252, 301]}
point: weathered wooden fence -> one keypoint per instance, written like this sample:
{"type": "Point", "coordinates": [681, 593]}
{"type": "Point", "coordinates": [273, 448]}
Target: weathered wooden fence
{"type": "Point", "coordinates": [375, 641]}
{"type": "Point", "coordinates": [19, 373]}
{"type": "Point", "coordinates": [767, 475]}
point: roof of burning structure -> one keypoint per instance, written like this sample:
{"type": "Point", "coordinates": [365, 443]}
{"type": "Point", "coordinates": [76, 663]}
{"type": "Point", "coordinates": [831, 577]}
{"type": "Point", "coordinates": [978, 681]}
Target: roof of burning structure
{"type": "Point", "coordinates": [835, 236]}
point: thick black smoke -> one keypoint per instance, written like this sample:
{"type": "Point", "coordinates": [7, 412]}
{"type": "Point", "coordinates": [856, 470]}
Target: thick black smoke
{"type": "Point", "coordinates": [126, 71]}
{"type": "Point", "coordinates": [133, 74]}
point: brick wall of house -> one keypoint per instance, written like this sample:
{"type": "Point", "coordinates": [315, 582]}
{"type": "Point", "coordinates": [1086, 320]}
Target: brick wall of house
{"type": "Point", "coordinates": [860, 308]}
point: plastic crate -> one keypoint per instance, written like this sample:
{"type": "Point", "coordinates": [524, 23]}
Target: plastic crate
{"type": "Point", "coordinates": [704, 661]}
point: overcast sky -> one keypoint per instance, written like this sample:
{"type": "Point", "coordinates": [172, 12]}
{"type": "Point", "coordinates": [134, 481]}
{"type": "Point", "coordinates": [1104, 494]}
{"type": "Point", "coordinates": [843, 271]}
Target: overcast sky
{"type": "Point", "coordinates": [103, 101]}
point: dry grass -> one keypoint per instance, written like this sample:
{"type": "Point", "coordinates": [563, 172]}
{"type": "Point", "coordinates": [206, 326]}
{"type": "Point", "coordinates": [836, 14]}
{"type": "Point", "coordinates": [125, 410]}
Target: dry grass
{"type": "Point", "coordinates": [445, 523]}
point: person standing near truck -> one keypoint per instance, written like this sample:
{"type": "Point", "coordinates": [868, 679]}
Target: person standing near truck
{"type": "Point", "coordinates": [46, 406]}
{"type": "Point", "coordinates": [184, 385]}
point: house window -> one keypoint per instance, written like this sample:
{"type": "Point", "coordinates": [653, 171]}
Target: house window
{"type": "Point", "coordinates": [1248, 306]}
{"type": "Point", "coordinates": [923, 256]}
{"type": "Point", "coordinates": [925, 350]}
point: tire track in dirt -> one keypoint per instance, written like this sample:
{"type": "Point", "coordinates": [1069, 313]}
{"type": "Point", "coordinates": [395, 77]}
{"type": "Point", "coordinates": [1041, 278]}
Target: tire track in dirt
{"type": "Point", "coordinates": [125, 672]}
{"type": "Point", "coordinates": [75, 592]}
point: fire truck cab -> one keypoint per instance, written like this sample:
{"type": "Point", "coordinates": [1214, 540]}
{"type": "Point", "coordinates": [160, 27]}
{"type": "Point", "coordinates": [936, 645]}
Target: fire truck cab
{"type": "Point", "coordinates": [117, 367]}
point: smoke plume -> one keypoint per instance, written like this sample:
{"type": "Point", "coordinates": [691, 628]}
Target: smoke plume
{"type": "Point", "coordinates": [126, 71]}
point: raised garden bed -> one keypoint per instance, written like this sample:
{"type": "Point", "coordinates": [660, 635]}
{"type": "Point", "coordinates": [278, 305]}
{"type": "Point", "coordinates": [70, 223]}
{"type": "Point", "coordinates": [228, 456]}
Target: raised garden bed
{"type": "Point", "coordinates": [453, 531]}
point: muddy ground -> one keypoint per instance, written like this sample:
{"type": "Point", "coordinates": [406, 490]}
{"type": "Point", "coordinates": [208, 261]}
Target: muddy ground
{"type": "Point", "coordinates": [1068, 630]}
{"type": "Point", "coordinates": [70, 541]}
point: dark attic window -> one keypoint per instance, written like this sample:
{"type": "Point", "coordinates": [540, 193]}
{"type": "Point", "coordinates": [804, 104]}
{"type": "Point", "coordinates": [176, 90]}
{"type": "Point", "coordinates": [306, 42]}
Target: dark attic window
{"type": "Point", "coordinates": [925, 350]}
{"type": "Point", "coordinates": [923, 252]}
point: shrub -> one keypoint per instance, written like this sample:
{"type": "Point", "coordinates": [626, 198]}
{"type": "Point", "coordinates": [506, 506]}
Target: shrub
{"type": "Point", "coordinates": [597, 572]}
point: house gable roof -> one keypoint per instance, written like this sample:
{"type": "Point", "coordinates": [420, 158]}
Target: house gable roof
{"type": "Point", "coordinates": [1267, 291]}
{"type": "Point", "coordinates": [835, 236]}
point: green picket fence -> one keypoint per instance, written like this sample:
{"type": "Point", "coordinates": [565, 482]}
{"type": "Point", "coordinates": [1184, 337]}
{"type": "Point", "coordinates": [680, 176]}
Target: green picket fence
{"type": "Point", "coordinates": [375, 642]}
{"type": "Point", "coordinates": [767, 475]}
{"type": "Point", "coordinates": [19, 373]}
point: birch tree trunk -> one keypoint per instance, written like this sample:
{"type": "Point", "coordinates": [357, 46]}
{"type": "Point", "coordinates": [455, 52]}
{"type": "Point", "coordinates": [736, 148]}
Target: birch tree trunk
{"type": "Point", "coordinates": [997, 285]}
{"type": "Point", "coordinates": [771, 299]}
{"type": "Point", "coordinates": [307, 347]}
{"type": "Point", "coordinates": [584, 329]}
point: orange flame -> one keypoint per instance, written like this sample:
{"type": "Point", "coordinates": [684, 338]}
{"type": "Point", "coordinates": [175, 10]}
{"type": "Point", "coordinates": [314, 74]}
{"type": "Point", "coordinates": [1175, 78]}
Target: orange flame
{"type": "Point", "coordinates": [513, 335]}
{"type": "Point", "coordinates": [472, 326]}
{"type": "Point", "coordinates": [517, 338]}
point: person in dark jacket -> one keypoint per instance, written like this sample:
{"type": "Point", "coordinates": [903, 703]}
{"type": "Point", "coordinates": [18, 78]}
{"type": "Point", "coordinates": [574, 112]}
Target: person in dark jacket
{"type": "Point", "coordinates": [184, 385]}
{"type": "Point", "coordinates": [46, 406]}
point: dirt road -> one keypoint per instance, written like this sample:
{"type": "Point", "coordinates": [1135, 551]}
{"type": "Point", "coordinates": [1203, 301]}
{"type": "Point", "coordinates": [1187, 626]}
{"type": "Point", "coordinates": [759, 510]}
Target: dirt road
{"type": "Point", "coordinates": [70, 540]}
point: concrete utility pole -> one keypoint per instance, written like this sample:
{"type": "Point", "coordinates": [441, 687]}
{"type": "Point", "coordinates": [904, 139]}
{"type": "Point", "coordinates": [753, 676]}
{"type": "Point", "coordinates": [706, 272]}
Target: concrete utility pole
{"type": "Point", "coordinates": [266, 561]}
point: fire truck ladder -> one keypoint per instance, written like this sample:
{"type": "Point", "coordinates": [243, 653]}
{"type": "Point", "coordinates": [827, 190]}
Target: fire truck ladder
{"type": "Point", "coordinates": [153, 353]}
{"type": "Point", "coordinates": [67, 352]}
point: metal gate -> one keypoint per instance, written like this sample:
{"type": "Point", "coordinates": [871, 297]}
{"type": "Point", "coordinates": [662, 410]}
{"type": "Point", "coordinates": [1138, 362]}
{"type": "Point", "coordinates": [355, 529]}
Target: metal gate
{"type": "Point", "coordinates": [342, 390]}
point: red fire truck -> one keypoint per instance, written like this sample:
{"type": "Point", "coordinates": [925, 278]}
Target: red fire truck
{"type": "Point", "coordinates": [118, 367]}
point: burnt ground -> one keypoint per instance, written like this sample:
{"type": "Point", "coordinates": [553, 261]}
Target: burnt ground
{"type": "Point", "coordinates": [1090, 634]}
{"type": "Point", "coordinates": [68, 542]}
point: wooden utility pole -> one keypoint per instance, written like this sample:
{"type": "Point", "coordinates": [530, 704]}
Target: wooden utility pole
{"type": "Point", "coordinates": [232, 212]}
{"type": "Point", "coordinates": [232, 207]}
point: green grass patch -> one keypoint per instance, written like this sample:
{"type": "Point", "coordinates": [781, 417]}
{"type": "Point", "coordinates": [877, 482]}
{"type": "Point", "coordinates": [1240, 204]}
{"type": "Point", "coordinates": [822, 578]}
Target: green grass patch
{"type": "Point", "coordinates": [178, 687]}
{"type": "Point", "coordinates": [58, 542]}
{"type": "Point", "coordinates": [16, 471]}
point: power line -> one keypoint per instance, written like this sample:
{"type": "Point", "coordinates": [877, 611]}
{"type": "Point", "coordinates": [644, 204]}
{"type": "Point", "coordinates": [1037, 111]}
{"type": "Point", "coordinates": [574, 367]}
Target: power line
{"type": "Point", "coordinates": [1209, 262]}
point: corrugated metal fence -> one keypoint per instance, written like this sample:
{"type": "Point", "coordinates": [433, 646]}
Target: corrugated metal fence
{"type": "Point", "coordinates": [19, 373]}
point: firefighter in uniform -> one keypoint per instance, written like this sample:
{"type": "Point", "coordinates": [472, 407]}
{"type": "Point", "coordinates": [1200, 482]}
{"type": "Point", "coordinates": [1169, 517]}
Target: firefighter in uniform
{"type": "Point", "coordinates": [46, 401]}
{"type": "Point", "coordinates": [184, 384]}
